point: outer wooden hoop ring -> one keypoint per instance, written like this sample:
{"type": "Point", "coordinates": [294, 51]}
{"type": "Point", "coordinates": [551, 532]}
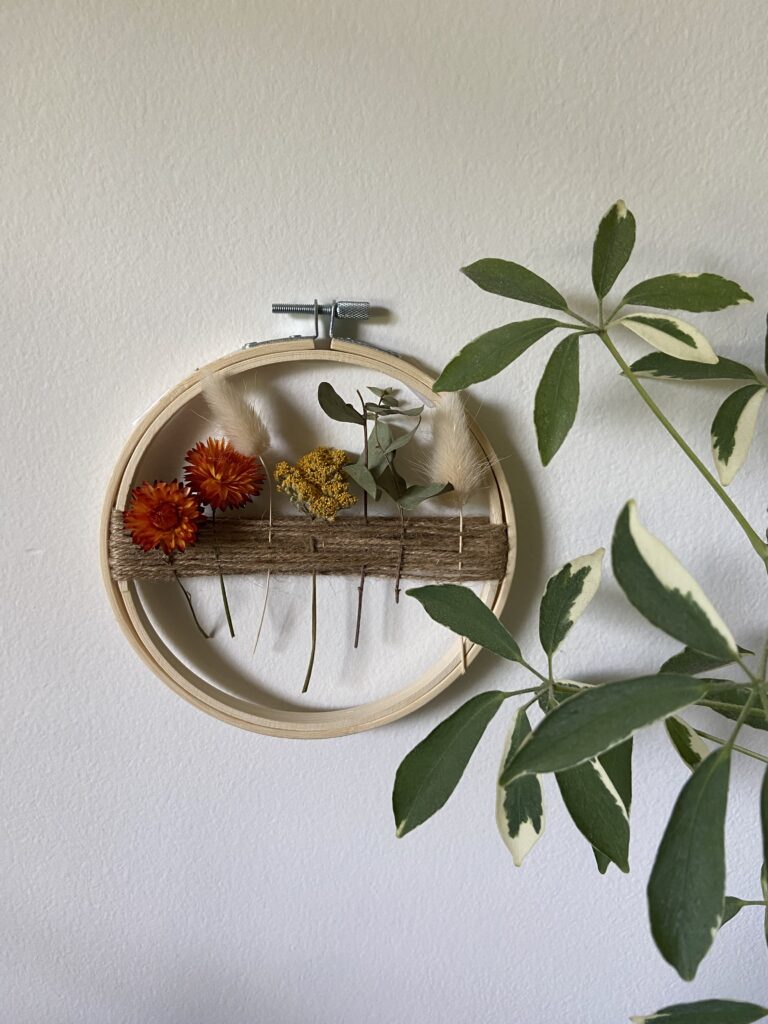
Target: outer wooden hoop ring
{"type": "Point", "coordinates": [249, 715]}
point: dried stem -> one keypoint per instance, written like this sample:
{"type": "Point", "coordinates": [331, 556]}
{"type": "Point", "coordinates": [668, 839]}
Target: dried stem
{"type": "Point", "coordinates": [221, 577]}
{"type": "Point", "coordinates": [188, 596]}
{"type": "Point", "coordinates": [313, 647]}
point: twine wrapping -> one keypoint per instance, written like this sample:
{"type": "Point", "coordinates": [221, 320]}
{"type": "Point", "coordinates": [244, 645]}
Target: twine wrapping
{"type": "Point", "coordinates": [428, 549]}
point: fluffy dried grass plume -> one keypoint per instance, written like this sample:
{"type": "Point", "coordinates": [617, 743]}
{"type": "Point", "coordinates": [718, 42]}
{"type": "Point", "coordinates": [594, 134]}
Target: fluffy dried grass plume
{"type": "Point", "coordinates": [235, 416]}
{"type": "Point", "coordinates": [455, 457]}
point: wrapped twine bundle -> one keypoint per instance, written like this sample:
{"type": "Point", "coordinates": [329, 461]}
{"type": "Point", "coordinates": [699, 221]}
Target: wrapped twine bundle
{"type": "Point", "coordinates": [426, 547]}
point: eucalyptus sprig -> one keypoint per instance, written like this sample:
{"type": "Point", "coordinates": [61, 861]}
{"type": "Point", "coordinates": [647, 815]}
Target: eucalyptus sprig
{"type": "Point", "coordinates": [585, 735]}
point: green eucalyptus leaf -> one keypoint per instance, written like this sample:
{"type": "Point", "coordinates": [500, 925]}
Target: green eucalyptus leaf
{"type": "Point", "coordinates": [686, 890]}
{"type": "Point", "coordinates": [363, 478]}
{"type": "Point", "coordinates": [401, 440]}
{"type": "Point", "coordinates": [513, 281]}
{"type": "Point", "coordinates": [380, 392]}
{"type": "Point", "coordinates": [567, 595]}
{"type": "Point", "coordinates": [669, 335]}
{"type": "Point", "coordinates": [728, 700]}
{"type": "Point", "coordinates": [431, 772]}
{"type": "Point", "coordinates": [600, 717]}
{"type": "Point", "coordinates": [414, 495]}
{"type": "Point", "coordinates": [695, 293]}
{"type": "Point", "coordinates": [733, 429]}
{"type": "Point", "coordinates": [664, 367]}
{"type": "Point", "coordinates": [415, 411]}
{"type": "Point", "coordinates": [379, 440]}
{"type": "Point", "coordinates": [664, 592]}
{"type": "Point", "coordinates": [686, 741]}
{"type": "Point", "coordinates": [461, 610]}
{"type": "Point", "coordinates": [520, 805]}
{"type": "Point", "coordinates": [390, 481]}
{"type": "Point", "coordinates": [491, 353]}
{"type": "Point", "coordinates": [557, 398]}
{"type": "Point", "coordinates": [706, 1011]}
{"type": "Point", "coordinates": [613, 246]}
{"type": "Point", "coordinates": [597, 810]}
{"type": "Point", "coordinates": [333, 405]}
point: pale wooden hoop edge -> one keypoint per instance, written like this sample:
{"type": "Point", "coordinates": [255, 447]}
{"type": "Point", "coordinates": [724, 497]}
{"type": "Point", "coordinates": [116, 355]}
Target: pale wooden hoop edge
{"type": "Point", "coordinates": [270, 721]}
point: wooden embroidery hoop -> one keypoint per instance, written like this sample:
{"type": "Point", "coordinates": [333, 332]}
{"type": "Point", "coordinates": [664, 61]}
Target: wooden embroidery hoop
{"type": "Point", "coordinates": [126, 602]}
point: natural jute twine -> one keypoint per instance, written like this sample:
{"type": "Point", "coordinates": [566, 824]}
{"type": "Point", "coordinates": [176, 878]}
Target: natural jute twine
{"type": "Point", "coordinates": [422, 548]}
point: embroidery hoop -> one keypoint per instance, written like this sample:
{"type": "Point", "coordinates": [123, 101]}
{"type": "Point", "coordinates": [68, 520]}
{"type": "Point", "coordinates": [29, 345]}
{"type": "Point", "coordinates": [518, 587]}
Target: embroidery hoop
{"type": "Point", "coordinates": [137, 626]}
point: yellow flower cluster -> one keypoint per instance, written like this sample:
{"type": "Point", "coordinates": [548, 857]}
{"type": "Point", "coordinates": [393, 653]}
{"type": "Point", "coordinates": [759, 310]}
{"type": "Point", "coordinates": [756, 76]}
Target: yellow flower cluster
{"type": "Point", "coordinates": [316, 483]}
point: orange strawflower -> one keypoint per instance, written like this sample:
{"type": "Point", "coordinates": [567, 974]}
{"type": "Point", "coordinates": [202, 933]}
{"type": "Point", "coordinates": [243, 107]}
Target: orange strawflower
{"type": "Point", "coordinates": [162, 515]}
{"type": "Point", "coordinates": [220, 476]}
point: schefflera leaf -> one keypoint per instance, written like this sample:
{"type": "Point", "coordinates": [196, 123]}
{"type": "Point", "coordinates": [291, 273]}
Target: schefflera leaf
{"type": "Point", "coordinates": [513, 281]}
{"type": "Point", "coordinates": [599, 718]}
{"type": "Point", "coordinates": [706, 1011]}
{"type": "Point", "coordinates": [612, 248]}
{"type": "Point", "coordinates": [669, 335]}
{"type": "Point", "coordinates": [686, 741]}
{"type": "Point", "coordinates": [557, 398]}
{"type": "Point", "coordinates": [733, 429]}
{"type": "Point", "coordinates": [430, 773]}
{"type": "Point", "coordinates": [566, 598]}
{"type": "Point", "coordinates": [664, 367]}
{"type": "Point", "coordinates": [461, 610]}
{"type": "Point", "coordinates": [491, 353]}
{"type": "Point", "coordinates": [520, 804]}
{"type": "Point", "coordinates": [597, 810]}
{"type": "Point", "coordinates": [695, 293]}
{"type": "Point", "coordinates": [618, 764]}
{"type": "Point", "coordinates": [686, 890]}
{"type": "Point", "coordinates": [664, 592]}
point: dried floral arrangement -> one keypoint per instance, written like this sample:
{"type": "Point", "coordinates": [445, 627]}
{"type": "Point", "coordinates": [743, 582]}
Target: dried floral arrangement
{"type": "Point", "coordinates": [584, 735]}
{"type": "Point", "coordinates": [172, 529]}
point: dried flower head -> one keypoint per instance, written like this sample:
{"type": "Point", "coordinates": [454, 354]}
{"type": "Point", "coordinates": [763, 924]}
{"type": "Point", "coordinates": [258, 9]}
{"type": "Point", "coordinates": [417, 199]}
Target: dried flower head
{"type": "Point", "coordinates": [220, 476]}
{"type": "Point", "coordinates": [162, 515]}
{"type": "Point", "coordinates": [317, 483]}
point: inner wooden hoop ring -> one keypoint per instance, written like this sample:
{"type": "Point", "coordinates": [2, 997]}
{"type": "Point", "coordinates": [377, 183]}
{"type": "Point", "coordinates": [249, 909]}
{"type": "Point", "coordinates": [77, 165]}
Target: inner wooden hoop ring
{"type": "Point", "coordinates": [126, 604]}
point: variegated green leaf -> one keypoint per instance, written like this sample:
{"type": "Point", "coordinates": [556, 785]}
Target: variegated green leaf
{"type": "Point", "coordinates": [557, 398]}
{"type": "Point", "coordinates": [598, 718]}
{"type": "Point", "coordinates": [671, 336]}
{"type": "Point", "coordinates": [431, 772]}
{"type": "Point", "coordinates": [729, 702]}
{"type": "Point", "coordinates": [664, 592]}
{"type": "Point", "coordinates": [613, 247]}
{"type": "Point", "coordinates": [513, 281]}
{"type": "Point", "coordinates": [686, 890]}
{"type": "Point", "coordinates": [597, 810]}
{"type": "Point", "coordinates": [693, 663]}
{"type": "Point", "coordinates": [695, 293]}
{"type": "Point", "coordinates": [491, 352]}
{"type": "Point", "coordinates": [706, 1011]}
{"type": "Point", "coordinates": [733, 429]}
{"type": "Point", "coordinates": [686, 741]}
{"type": "Point", "coordinates": [519, 805]}
{"type": "Point", "coordinates": [567, 595]}
{"type": "Point", "coordinates": [664, 367]}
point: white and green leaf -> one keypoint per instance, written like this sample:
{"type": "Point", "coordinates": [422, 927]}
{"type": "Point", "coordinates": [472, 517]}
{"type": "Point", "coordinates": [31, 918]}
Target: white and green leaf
{"type": "Point", "coordinates": [706, 1011]}
{"type": "Point", "coordinates": [733, 429]}
{"type": "Point", "coordinates": [432, 770]}
{"type": "Point", "coordinates": [566, 598]}
{"type": "Point", "coordinates": [519, 805]}
{"type": "Point", "coordinates": [513, 281]}
{"type": "Point", "coordinates": [599, 718]}
{"type": "Point", "coordinates": [686, 890]}
{"type": "Point", "coordinates": [557, 398]}
{"type": "Point", "coordinates": [461, 610]}
{"type": "Point", "coordinates": [669, 335]}
{"type": "Point", "coordinates": [729, 702]}
{"type": "Point", "coordinates": [686, 741]}
{"type": "Point", "coordinates": [597, 810]}
{"type": "Point", "coordinates": [491, 353]}
{"type": "Point", "coordinates": [664, 592]}
{"type": "Point", "coordinates": [664, 367]}
{"type": "Point", "coordinates": [612, 248]}
{"type": "Point", "coordinates": [695, 293]}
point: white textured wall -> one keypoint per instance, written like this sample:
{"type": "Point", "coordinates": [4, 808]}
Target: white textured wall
{"type": "Point", "coordinates": [167, 170]}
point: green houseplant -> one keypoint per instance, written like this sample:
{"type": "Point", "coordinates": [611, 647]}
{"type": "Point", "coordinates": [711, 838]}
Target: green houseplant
{"type": "Point", "coordinates": [584, 736]}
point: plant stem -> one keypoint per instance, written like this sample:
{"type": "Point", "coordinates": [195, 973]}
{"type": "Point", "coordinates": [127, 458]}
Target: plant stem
{"type": "Point", "coordinates": [461, 566]}
{"type": "Point", "coordinates": [188, 596]}
{"type": "Point", "coordinates": [401, 556]}
{"type": "Point", "coordinates": [221, 576]}
{"type": "Point", "coordinates": [734, 746]}
{"type": "Point", "coordinates": [361, 586]}
{"type": "Point", "coordinates": [311, 664]}
{"type": "Point", "coordinates": [741, 719]}
{"type": "Point", "coordinates": [757, 543]}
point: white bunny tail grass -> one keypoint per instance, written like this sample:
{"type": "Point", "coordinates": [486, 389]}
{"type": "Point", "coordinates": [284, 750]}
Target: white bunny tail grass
{"type": "Point", "coordinates": [455, 455]}
{"type": "Point", "coordinates": [235, 416]}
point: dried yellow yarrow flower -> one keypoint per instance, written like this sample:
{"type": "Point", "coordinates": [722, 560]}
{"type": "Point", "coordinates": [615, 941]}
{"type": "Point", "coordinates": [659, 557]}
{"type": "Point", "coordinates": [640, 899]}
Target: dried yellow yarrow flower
{"type": "Point", "coordinates": [317, 484]}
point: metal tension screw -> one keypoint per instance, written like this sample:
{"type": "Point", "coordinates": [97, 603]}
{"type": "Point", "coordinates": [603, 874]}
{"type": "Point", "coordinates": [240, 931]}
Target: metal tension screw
{"type": "Point", "coordinates": [342, 309]}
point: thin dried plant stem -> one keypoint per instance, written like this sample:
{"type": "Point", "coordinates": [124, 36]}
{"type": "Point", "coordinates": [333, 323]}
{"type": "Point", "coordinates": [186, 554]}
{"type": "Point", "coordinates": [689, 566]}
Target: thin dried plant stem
{"type": "Point", "coordinates": [361, 585]}
{"type": "Point", "coordinates": [188, 596]}
{"type": "Point", "coordinates": [461, 566]}
{"type": "Point", "coordinates": [401, 556]}
{"type": "Point", "coordinates": [313, 647]}
{"type": "Point", "coordinates": [221, 578]}
{"type": "Point", "coordinates": [269, 571]}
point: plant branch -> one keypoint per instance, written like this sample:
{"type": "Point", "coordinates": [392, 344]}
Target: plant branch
{"type": "Point", "coordinates": [734, 746]}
